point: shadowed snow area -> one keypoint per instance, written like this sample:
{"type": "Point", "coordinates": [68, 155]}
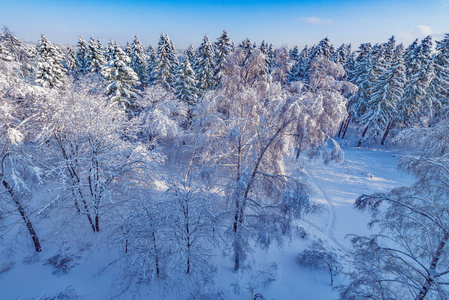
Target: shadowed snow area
{"type": "Point", "coordinates": [273, 273]}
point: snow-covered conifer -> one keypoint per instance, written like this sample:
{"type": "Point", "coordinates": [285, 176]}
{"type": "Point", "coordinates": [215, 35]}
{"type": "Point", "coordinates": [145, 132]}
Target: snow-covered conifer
{"type": "Point", "coordinates": [82, 64]}
{"type": "Point", "coordinates": [50, 70]}
{"type": "Point", "coordinates": [186, 85]}
{"type": "Point", "coordinates": [205, 68]}
{"type": "Point", "coordinates": [223, 47]}
{"type": "Point", "coordinates": [151, 64]}
{"type": "Point", "coordinates": [164, 71]}
{"type": "Point", "coordinates": [121, 80]}
{"type": "Point", "coordinates": [70, 61]}
{"type": "Point", "coordinates": [438, 90]}
{"type": "Point", "coordinates": [386, 93]}
{"type": "Point", "coordinates": [139, 60]}
{"type": "Point", "coordinates": [94, 56]}
{"type": "Point", "coordinates": [415, 90]}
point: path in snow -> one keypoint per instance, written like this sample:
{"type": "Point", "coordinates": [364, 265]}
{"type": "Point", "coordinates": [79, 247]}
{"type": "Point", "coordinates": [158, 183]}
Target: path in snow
{"type": "Point", "coordinates": [333, 219]}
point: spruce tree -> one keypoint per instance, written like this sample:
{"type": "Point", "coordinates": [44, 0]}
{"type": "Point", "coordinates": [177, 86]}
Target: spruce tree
{"type": "Point", "coordinates": [438, 90]}
{"type": "Point", "coordinates": [82, 65]}
{"type": "Point", "coordinates": [120, 79]}
{"type": "Point", "coordinates": [164, 69]}
{"type": "Point", "coordinates": [185, 85]}
{"type": "Point", "coordinates": [386, 93]}
{"type": "Point", "coordinates": [299, 69]}
{"type": "Point", "coordinates": [50, 70]}
{"type": "Point", "coordinates": [94, 56]}
{"type": "Point", "coordinates": [191, 55]}
{"type": "Point", "coordinates": [205, 69]}
{"type": "Point", "coordinates": [271, 54]}
{"type": "Point", "coordinates": [151, 64]}
{"type": "Point", "coordinates": [294, 54]}
{"type": "Point", "coordinates": [223, 47]}
{"type": "Point", "coordinates": [421, 74]}
{"type": "Point", "coordinates": [139, 60]}
{"type": "Point", "coordinates": [70, 62]}
{"type": "Point", "coordinates": [109, 51]}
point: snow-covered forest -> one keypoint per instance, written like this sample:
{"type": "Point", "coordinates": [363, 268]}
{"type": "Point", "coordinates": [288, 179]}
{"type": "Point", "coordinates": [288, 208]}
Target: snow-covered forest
{"type": "Point", "coordinates": [228, 171]}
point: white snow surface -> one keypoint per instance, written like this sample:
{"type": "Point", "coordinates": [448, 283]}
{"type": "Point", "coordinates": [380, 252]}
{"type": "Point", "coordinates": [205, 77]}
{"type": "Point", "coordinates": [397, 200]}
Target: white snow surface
{"type": "Point", "coordinates": [274, 273]}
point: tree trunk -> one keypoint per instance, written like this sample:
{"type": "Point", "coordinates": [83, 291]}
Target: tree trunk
{"type": "Point", "coordinates": [433, 264]}
{"type": "Point", "coordinates": [26, 219]}
{"type": "Point", "coordinates": [348, 120]}
{"type": "Point", "coordinates": [387, 131]}
{"type": "Point", "coordinates": [363, 135]}
{"type": "Point", "coordinates": [341, 127]}
{"type": "Point", "coordinates": [156, 255]}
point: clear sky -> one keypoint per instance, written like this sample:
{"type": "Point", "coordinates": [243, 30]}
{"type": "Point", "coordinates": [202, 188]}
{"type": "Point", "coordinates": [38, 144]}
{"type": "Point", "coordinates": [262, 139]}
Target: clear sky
{"type": "Point", "coordinates": [281, 22]}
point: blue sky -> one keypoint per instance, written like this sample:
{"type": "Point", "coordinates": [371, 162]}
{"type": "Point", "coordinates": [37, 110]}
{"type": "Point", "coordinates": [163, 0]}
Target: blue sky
{"type": "Point", "coordinates": [281, 22]}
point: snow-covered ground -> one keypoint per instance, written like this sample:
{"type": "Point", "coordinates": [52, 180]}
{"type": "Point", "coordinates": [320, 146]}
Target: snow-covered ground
{"type": "Point", "coordinates": [274, 274]}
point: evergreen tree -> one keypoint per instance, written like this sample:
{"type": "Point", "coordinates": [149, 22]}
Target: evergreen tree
{"type": "Point", "coordinates": [50, 70]}
{"type": "Point", "coordinates": [94, 56]}
{"type": "Point", "coordinates": [81, 57]}
{"type": "Point", "coordinates": [185, 85]}
{"type": "Point", "coordinates": [109, 51]}
{"type": "Point", "coordinates": [205, 69]}
{"type": "Point", "coordinates": [421, 74]}
{"type": "Point", "coordinates": [151, 64]}
{"type": "Point", "coordinates": [323, 49]}
{"type": "Point", "coordinates": [70, 62]}
{"type": "Point", "coordinates": [409, 54]}
{"type": "Point", "coordinates": [248, 48]}
{"type": "Point", "coordinates": [271, 54]}
{"type": "Point", "coordinates": [386, 93]}
{"type": "Point", "coordinates": [121, 80]}
{"type": "Point", "coordinates": [363, 77]}
{"type": "Point", "coordinates": [294, 54]}
{"type": "Point", "coordinates": [389, 49]}
{"type": "Point", "coordinates": [341, 54]}
{"type": "Point", "coordinates": [299, 69]}
{"type": "Point", "coordinates": [191, 55]}
{"type": "Point", "coordinates": [139, 60]}
{"type": "Point", "coordinates": [223, 47]}
{"type": "Point", "coordinates": [164, 69]}
{"type": "Point", "coordinates": [438, 90]}
{"type": "Point", "coordinates": [264, 47]}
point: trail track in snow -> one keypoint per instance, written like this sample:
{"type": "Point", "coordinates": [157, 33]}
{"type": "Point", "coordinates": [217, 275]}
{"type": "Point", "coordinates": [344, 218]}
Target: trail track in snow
{"type": "Point", "coordinates": [333, 220]}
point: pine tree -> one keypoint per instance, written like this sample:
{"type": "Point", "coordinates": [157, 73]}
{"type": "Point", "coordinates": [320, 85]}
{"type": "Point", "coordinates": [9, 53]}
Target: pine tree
{"type": "Point", "coordinates": [81, 57]}
{"type": "Point", "coordinates": [139, 60]}
{"type": "Point", "coordinates": [205, 69]}
{"type": "Point", "coordinates": [264, 47]}
{"type": "Point", "coordinates": [151, 64]}
{"type": "Point", "coordinates": [248, 48]}
{"type": "Point", "coordinates": [323, 49]}
{"type": "Point", "coordinates": [386, 93]}
{"type": "Point", "coordinates": [5, 54]}
{"type": "Point", "coordinates": [191, 55]}
{"type": "Point", "coordinates": [185, 85]}
{"type": "Point", "coordinates": [438, 90]}
{"type": "Point", "coordinates": [70, 62]}
{"type": "Point", "coordinates": [121, 80]}
{"type": "Point", "coordinates": [271, 54]}
{"type": "Point", "coordinates": [50, 70]}
{"type": "Point", "coordinates": [409, 54]}
{"type": "Point", "coordinates": [94, 56]}
{"type": "Point", "coordinates": [364, 78]}
{"type": "Point", "coordinates": [109, 51]}
{"type": "Point", "coordinates": [299, 69]}
{"type": "Point", "coordinates": [342, 54]}
{"type": "Point", "coordinates": [164, 71]}
{"type": "Point", "coordinates": [223, 47]}
{"type": "Point", "coordinates": [421, 74]}
{"type": "Point", "coordinates": [294, 54]}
